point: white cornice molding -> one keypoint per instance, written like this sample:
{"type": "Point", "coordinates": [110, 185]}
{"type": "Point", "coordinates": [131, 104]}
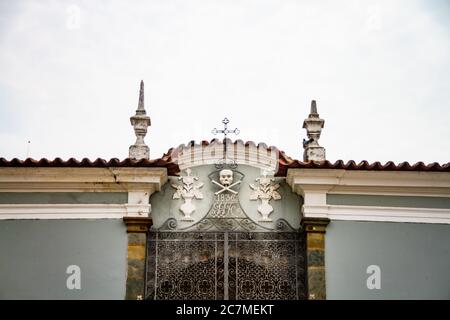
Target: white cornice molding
{"type": "Point", "coordinates": [380, 214]}
{"type": "Point", "coordinates": [315, 184]}
{"type": "Point", "coordinates": [139, 183]}
{"type": "Point", "coordinates": [31, 179]}
{"type": "Point", "coordinates": [72, 211]}
{"type": "Point", "coordinates": [370, 182]}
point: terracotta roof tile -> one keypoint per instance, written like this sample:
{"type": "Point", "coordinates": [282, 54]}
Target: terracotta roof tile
{"type": "Point", "coordinates": [285, 162]}
{"type": "Point", "coordinates": [97, 163]}
{"type": "Point", "coordinates": [363, 165]}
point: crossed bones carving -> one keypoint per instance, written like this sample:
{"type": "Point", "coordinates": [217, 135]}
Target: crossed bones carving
{"type": "Point", "coordinates": [226, 188]}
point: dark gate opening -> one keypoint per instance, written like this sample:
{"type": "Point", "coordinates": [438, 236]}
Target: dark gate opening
{"type": "Point", "coordinates": [226, 265]}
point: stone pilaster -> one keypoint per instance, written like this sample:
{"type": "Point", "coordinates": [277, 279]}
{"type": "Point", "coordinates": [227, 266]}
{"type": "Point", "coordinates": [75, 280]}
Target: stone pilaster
{"type": "Point", "coordinates": [315, 229]}
{"type": "Point", "coordinates": [137, 230]}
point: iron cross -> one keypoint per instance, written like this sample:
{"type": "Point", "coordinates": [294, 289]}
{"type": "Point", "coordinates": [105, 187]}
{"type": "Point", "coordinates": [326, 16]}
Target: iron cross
{"type": "Point", "coordinates": [225, 130]}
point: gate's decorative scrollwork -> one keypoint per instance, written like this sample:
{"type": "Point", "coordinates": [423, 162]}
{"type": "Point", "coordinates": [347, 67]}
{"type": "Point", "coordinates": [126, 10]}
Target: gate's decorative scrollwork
{"type": "Point", "coordinates": [226, 265]}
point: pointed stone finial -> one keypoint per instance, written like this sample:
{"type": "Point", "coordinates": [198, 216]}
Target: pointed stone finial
{"type": "Point", "coordinates": [313, 109]}
{"type": "Point", "coordinates": [140, 122]}
{"type": "Point", "coordinates": [141, 108]}
{"type": "Point", "coordinates": [313, 125]}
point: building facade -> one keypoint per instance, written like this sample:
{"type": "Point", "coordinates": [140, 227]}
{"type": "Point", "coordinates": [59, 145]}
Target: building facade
{"type": "Point", "coordinates": [223, 220]}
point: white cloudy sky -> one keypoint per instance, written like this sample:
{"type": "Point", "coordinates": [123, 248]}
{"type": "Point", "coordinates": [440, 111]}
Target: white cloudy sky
{"type": "Point", "coordinates": [379, 71]}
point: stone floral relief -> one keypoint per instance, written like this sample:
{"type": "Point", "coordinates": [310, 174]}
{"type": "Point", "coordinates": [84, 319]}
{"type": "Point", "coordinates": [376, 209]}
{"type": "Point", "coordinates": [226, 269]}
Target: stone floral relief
{"type": "Point", "coordinates": [188, 189]}
{"type": "Point", "coordinates": [265, 191]}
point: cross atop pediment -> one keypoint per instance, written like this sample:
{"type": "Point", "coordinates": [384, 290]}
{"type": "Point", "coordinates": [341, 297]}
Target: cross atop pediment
{"type": "Point", "coordinates": [225, 131]}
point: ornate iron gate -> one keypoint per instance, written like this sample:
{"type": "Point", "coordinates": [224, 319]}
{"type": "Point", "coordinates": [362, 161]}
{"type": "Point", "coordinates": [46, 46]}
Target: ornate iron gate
{"type": "Point", "coordinates": [226, 265]}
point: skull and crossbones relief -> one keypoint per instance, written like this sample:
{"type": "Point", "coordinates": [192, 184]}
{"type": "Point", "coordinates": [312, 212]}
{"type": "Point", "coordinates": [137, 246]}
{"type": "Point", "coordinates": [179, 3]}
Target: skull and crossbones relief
{"type": "Point", "coordinates": [226, 181]}
{"type": "Point", "coordinates": [226, 177]}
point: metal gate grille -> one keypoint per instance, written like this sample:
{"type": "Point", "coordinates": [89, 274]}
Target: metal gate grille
{"type": "Point", "coordinates": [225, 265]}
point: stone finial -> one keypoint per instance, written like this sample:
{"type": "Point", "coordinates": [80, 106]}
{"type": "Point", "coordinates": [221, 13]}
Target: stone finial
{"type": "Point", "coordinates": [313, 109]}
{"type": "Point", "coordinates": [141, 108]}
{"type": "Point", "coordinates": [140, 122]}
{"type": "Point", "coordinates": [313, 125]}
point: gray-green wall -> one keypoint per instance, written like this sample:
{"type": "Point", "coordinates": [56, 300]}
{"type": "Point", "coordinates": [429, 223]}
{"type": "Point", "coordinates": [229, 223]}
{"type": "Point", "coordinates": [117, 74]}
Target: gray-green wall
{"type": "Point", "coordinates": [34, 256]}
{"type": "Point", "coordinates": [389, 201]}
{"type": "Point", "coordinates": [63, 197]}
{"type": "Point", "coordinates": [414, 260]}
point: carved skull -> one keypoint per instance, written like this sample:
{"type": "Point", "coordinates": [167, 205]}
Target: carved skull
{"type": "Point", "coordinates": [226, 177]}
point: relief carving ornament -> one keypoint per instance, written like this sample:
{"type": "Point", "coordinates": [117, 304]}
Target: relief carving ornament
{"type": "Point", "coordinates": [188, 190]}
{"type": "Point", "coordinates": [265, 191]}
{"type": "Point", "coordinates": [226, 177]}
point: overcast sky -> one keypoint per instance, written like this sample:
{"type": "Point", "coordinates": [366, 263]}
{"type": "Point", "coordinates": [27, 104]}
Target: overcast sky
{"type": "Point", "coordinates": [379, 70]}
